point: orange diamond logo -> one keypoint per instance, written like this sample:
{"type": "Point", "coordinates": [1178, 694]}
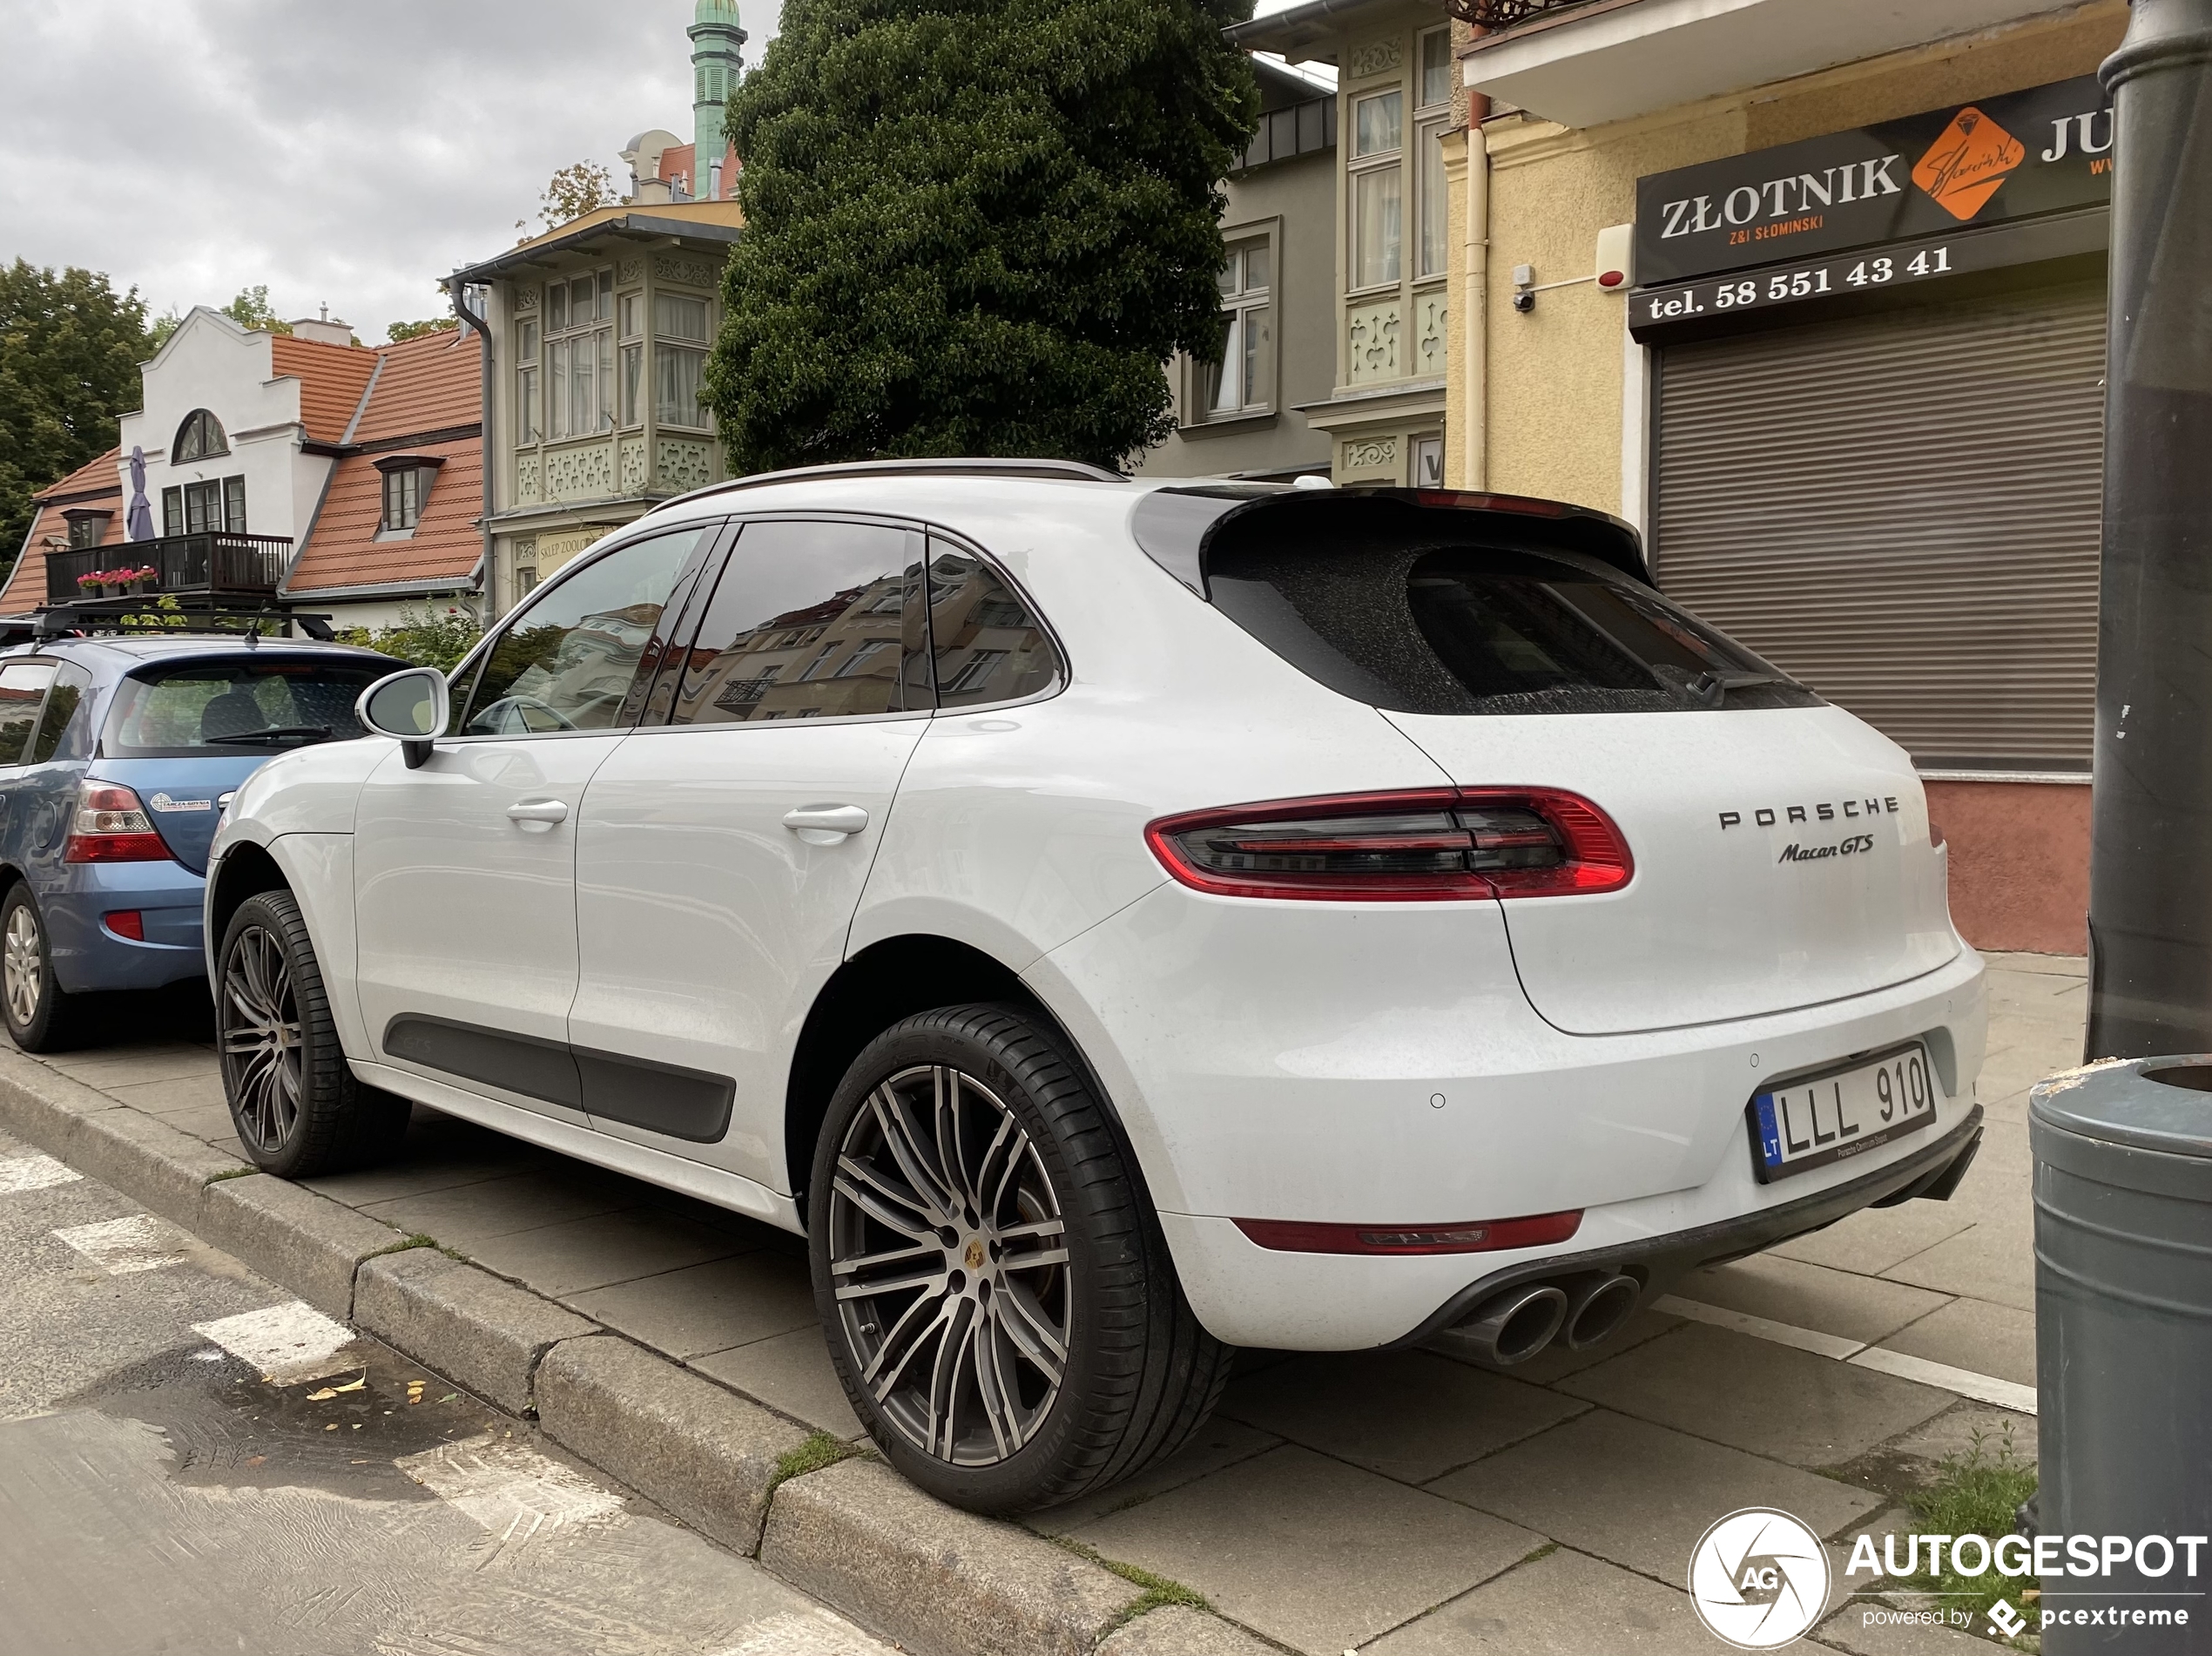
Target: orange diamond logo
{"type": "Point", "coordinates": [1963, 168]}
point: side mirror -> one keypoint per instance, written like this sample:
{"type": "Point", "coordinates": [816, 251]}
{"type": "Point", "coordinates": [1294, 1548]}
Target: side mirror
{"type": "Point", "coordinates": [411, 707]}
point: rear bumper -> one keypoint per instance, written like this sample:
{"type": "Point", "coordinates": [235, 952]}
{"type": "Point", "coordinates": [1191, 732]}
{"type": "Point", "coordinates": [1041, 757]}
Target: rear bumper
{"type": "Point", "coordinates": [89, 958]}
{"type": "Point", "coordinates": [1934, 1170]}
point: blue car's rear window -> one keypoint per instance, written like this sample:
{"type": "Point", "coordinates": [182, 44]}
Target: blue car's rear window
{"type": "Point", "coordinates": [258, 704]}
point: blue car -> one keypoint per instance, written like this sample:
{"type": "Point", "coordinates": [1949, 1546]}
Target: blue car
{"type": "Point", "coordinates": [116, 755]}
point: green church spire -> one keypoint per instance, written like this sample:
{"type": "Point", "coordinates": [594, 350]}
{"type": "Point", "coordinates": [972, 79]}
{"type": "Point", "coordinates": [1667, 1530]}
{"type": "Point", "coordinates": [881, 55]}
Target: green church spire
{"type": "Point", "coordinates": [715, 66]}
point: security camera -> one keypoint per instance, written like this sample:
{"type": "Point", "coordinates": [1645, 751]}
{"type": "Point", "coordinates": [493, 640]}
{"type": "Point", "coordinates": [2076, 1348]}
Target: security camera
{"type": "Point", "coordinates": [1524, 302]}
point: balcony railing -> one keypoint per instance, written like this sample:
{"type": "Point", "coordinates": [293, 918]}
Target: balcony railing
{"type": "Point", "coordinates": [1503, 14]}
{"type": "Point", "coordinates": [213, 562]}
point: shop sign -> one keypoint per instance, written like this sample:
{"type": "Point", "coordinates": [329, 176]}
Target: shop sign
{"type": "Point", "coordinates": [1996, 161]}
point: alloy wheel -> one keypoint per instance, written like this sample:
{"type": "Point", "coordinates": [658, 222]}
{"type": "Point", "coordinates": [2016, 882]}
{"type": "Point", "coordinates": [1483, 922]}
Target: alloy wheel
{"type": "Point", "coordinates": [23, 966]}
{"type": "Point", "coordinates": [948, 1259]}
{"type": "Point", "coordinates": [261, 1038]}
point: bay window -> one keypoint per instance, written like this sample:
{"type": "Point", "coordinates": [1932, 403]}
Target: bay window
{"type": "Point", "coordinates": [1378, 188]}
{"type": "Point", "coordinates": [1432, 117]}
{"type": "Point", "coordinates": [679, 355]}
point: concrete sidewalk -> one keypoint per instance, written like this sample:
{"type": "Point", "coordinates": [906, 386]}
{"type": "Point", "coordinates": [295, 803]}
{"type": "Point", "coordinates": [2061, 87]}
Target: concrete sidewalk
{"type": "Point", "coordinates": [1403, 1503]}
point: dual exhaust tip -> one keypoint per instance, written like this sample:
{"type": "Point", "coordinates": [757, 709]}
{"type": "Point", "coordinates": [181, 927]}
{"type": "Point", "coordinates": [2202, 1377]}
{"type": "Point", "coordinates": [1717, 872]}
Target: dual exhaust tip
{"type": "Point", "coordinates": [1515, 1324]}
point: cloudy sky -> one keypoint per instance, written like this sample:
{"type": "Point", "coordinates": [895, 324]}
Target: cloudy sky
{"type": "Point", "coordinates": [343, 155]}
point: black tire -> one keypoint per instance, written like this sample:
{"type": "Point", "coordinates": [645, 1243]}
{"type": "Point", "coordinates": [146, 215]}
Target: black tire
{"type": "Point", "coordinates": [42, 1017]}
{"type": "Point", "coordinates": [297, 1107]}
{"type": "Point", "coordinates": [1139, 1374]}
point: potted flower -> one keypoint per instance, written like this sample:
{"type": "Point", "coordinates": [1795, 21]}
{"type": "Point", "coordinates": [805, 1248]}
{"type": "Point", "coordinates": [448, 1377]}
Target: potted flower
{"type": "Point", "coordinates": [144, 580]}
{"type": "Point", "coordinates": [94, 585]}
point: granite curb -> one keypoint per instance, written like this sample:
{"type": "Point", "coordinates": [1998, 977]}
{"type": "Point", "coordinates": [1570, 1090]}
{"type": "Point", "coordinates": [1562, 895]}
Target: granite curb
{"type": "Point", "coordinates": [855, 1534]}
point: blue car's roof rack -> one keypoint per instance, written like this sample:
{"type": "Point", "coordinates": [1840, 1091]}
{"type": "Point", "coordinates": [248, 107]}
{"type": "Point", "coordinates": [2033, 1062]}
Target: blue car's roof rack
{"type": "Point", "coordinates": [108, 615]}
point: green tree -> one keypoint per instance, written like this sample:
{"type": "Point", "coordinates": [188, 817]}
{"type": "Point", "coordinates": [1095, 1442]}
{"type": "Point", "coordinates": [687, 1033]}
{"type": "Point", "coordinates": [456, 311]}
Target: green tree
{"type": "Point", "coordinates": [577, 189]}
{"type": "Point", "coordinates": [975, 227]}
{"type": "Point", "coordinates": [399, 331]}
{"type": "Point", "coordinates": [69, 351]}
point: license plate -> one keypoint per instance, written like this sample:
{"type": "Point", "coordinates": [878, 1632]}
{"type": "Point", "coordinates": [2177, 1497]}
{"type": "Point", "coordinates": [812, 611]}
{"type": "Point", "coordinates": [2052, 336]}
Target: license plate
{"type": "Point", "coordinates": [1812, 1120]}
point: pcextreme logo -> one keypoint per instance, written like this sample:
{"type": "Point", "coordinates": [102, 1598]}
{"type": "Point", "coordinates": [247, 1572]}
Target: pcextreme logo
{"type": "Point", "coordinates": [1967, 163]}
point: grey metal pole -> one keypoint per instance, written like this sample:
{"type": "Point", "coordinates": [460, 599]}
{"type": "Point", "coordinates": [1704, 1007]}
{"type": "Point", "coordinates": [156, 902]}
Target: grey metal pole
{"type": "Point", "coordinates": [2150, 870]}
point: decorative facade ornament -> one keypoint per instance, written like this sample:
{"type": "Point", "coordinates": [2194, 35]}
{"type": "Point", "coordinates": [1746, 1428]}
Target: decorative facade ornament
{"type": "Point", "coordinates": [684, 271]}
{"type": "Point", "coordinates": [1371, 454]}
{"type": "Point", "coordinates": [526, 493]}
{"type": "Point", "coordinates": [632, 465]}
{"type": "Point", "coordinates": [1380, 56]}
{"type": "Point", "coordinates": [526, 295]}
{"type": "Point", "coordinates": [583, 473]}
{"type": "Point", "coordinates": [1432, 318]}
{"type": "Point", "coordinates": [1370, 338]}
{"type": "Point", "coordinates": [679, 465]}
{"type": "Point", "coordinates": [629, 272]}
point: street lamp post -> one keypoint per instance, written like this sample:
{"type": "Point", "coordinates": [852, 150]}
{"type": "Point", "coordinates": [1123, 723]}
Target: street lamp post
{"type": "Point", "coordinates": [2150, 875]}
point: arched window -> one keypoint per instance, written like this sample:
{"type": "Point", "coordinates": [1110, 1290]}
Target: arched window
{"type": "Point", "coordinates": [200, 438]}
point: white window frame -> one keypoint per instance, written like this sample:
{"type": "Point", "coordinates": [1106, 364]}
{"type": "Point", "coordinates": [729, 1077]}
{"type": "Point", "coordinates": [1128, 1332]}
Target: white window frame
{"type": "Point", "coordinates": [1358, 167]}
{"type": "Point", "coordinates": [1196, 378]}
{"type": "Point", "coordinates": [1428, 125]}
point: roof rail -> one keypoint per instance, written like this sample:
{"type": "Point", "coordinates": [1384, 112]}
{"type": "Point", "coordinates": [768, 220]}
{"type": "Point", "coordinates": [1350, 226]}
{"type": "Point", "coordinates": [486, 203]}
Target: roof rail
{"type": "Point", "coordinates": [89, 617]}
{"type": "Point", "coordinates": [1076, 470]}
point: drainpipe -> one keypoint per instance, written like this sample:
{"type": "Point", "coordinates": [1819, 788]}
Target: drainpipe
{"type": "Point", "coordinates": [1475, 376]}
{"type": "Point", "coordinates": [2150, 880]}
{"type": "Point", "coordinates": [484, 572]}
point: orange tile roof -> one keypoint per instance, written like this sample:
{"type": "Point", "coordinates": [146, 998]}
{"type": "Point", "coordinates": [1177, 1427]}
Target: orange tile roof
{"type": "Point", "coordinates": [332, 378]}
{"type": "Point", "coordinates": [95, 474]}
{"type": "Point", "coordinates": [344, 550]}
{"type": "Point", "coordinates": [432, 383]}
{"type": "Point", "coordinates": [26, 586]}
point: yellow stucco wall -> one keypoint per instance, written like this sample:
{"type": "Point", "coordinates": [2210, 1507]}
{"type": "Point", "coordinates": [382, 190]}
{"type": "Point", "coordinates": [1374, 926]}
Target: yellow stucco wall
{"type": "Point", "coordinates": [1555, 379]}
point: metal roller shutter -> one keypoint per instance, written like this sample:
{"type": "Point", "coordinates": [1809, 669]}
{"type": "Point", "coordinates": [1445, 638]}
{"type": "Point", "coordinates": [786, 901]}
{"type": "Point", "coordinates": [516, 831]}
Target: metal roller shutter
{"type": "Point", "coordinates": [1902, 511]}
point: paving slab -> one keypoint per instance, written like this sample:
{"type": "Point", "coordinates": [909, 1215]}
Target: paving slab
{"type": "Point", "coordinates": [1639, 1495]}
{"type": "Point", "coordinates": [1178, 1630]}
{"type": "Point", "coordinates": [1956, 1430]}
{"type": "Point", "coordinates": [110, 1067]}
{"type": "Point", "coordinates": [939, 1581]}
{"type": "Point", "coordinates": [1872, 1240]}
{"type": "Point", "coordinates": [1756, 1395]}
{"type": "Point", "coordinates": [1564, 1603]}
{"type": "Point", "coordinates": [1992, 1260]}
{"type": "Point", "coordinates": [461, 1215]}
{"type": "Point", "coordinates": [1871, 1629]}
{"type": "Point", "coordinates": [710, 1306]}
{"type": "Point", "coordinates": [606, 1249]}
{"type": "Point", "coordinates": [1221, 1442]}
{"type": "Point", "coordinates": [209, 1123]}
{"type": "Point", "coordinates": [1976, 1335]}
{"type": "Point", "coordinates": [1409, 1415]}
{"type": "Point", "coordinates": [1804, 1296]}
{"type": "Point", "coordinates": [792, 1373]}
{"type": "Point", "coordinates": [1311, 1553]}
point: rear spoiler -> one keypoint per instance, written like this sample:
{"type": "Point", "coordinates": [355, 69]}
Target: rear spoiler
{"type": "Point", "coordinates": [1178, 526]}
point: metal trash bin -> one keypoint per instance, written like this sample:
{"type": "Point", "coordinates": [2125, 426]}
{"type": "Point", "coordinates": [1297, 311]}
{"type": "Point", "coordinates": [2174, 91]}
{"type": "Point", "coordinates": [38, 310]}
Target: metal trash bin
{"type": "Point", "coordinates": [2123, 1339]}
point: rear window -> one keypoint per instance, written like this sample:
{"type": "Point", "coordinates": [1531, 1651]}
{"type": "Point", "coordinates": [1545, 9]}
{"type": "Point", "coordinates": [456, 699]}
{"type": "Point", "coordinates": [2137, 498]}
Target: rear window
{"type": "Point", "coordinates": [251, 705]}
{"type": "Point", "coordinates": [1483, 629]}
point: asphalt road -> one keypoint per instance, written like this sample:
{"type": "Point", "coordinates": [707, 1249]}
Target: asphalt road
{"type": "Point", "coordinates": [193, 1461]}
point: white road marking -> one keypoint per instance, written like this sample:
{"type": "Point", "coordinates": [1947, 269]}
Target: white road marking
{"type": "Point", "coordinates": [512, 1491]}
{"type": "Point", "coordinates": [33, 1172]}
{"type": "Point", "coordinates": [797, 1633]}
{"type": "Point", "coordinates": [288, 1343]}
{"type": "Point", "coordinates": [1983, 1389]}
{"type": "Point", "coordinates": [120, 1247]}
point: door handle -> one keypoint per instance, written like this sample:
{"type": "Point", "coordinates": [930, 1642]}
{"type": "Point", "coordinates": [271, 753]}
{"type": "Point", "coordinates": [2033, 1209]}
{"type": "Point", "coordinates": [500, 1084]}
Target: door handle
{"type": "Point", "coordinates": [537, 814]}
{"type": "Point", "coordinates": [826, 824]}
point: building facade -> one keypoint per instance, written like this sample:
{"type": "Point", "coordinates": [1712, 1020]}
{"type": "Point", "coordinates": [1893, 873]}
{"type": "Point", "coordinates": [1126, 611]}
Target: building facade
{"type": "Point", "coordinates": [595, 336]}
{"type": "Point", "coordinates": [1849, 382]}
{"type": "Point", "coordinates": [1240, 418]}
{"type": "Point", "coordinates": [248, 439]}
{"type": "Point", "coordinates": [1397, 100]}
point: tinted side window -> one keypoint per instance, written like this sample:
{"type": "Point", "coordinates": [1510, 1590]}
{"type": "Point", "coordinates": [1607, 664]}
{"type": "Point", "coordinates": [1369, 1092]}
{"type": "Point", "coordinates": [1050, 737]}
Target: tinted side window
{"type": "Point", "coordinates": [65, 729]}
{"type": "Point", "coordinates": [987, 646]}
{"type": "Point", "coordinates": [573, 656]}
{"type": "Point", "coordinates": [810, 620]}
{"type": "Point", "coordinates": [23, 688]}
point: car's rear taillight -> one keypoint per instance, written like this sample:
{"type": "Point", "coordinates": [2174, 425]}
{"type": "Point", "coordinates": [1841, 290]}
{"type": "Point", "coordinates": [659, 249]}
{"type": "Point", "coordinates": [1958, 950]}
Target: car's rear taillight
{"type": "Point", "coordinates": [126, 922]}
{"type": "Point", "coordinates": [111, 826]}
{"type": "Point", "coordinates": [1477, 1236]}
{"type": "Point", "coordinates": [1428, 845]}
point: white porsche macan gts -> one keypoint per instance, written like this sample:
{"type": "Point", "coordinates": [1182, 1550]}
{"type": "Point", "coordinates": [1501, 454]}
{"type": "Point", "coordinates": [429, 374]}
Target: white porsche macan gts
{"type": "Point", "coordinates": [1117, 922]}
